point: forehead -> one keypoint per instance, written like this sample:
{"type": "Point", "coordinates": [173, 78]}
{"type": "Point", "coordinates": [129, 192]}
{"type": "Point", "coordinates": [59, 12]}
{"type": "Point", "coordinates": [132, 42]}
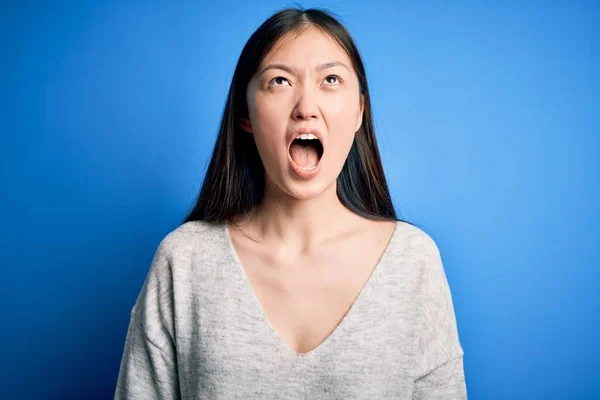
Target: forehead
{"type": "Point", "coordinates": [309, 46]}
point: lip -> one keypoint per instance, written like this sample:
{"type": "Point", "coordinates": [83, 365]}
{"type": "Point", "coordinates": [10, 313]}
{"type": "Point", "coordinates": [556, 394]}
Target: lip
{"type": "Point", "coordinates": [303, 173]}
{"type": "Point", "coordinates": [315, 131]}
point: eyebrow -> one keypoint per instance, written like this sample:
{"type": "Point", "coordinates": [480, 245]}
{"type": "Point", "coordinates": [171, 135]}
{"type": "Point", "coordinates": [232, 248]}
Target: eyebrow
{"type": "Point", "coordinates": [321, 67]}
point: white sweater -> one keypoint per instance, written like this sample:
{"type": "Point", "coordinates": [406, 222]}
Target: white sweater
{"type": "Point", "coordinates": [198, 332]}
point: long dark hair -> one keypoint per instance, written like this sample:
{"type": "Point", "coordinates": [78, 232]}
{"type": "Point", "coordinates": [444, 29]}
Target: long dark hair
{"type": "Point", "coordinates": [234, 183]}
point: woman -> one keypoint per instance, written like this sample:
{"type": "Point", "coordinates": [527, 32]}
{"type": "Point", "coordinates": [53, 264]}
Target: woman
{"type": "Point", "coordinates": [292, 277]}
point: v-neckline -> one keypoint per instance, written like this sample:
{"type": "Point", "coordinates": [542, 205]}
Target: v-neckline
{"type": "Point", "coordinates": [276, 340]}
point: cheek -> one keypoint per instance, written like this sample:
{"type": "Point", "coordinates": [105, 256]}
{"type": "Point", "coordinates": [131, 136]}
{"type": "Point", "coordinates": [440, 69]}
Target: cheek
{"type": "Point", "coordinates": [341, 116]}
{"type": "Point", "coordinates": [268, 126]}
{"type": "Point", "coordinates": [267, 112]}
{"type": "Point", "coordinates": [343, 108]}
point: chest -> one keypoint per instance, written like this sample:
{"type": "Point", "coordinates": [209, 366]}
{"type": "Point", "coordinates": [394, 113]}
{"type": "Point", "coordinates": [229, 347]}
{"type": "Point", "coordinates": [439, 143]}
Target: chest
{"type": "Point", "coordinates": [299, 342]}
{"type": "Point", "coordinates": [305, 299]}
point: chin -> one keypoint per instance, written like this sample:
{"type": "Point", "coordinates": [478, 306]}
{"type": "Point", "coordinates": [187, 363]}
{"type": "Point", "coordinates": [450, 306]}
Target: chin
{"type": "Point", "coordinates": [307, 190]}
{"type": "Point", "coordinates": [285, 182]}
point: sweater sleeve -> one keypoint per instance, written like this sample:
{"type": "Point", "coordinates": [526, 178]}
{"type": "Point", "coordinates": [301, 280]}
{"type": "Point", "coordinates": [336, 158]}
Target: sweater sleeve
{"type": "Point", "coordinates": [440, 373]}
{"type": "Point", "coordinates": [148, 368]}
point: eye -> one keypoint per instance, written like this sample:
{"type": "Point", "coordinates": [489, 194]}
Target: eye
{"type": "Point", "coordinates": [336, 78]}
{"type": "Point", "coordinates": [278, 80]}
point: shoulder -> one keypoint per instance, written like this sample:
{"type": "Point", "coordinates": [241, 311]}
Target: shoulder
{"type": "Point", "coordinates": [432, 288]}
{"type": "Point", "coordinates": [415, 241]}
{"type": "Point", "coordinates": [189, 249]}
{"type": "Point", "coordinates": [419, 254]}
{"type": "Point", "coordinates": [189, 242]}
{"type": "Point", "coordinates": [191, 236]}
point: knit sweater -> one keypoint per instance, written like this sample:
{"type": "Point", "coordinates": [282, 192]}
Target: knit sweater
{"type": "Point", "coordinates": [197, 330]}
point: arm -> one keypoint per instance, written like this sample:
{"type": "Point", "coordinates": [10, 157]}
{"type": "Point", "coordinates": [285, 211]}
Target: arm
{"type": "Point", "coordinates": [147, 371]}
{"type": "Point", "coordinates": [445, 382]}
{"type": "Point", "coordinates": [148, 367]}
{"type": "Point", "coordinates": [440, 373]}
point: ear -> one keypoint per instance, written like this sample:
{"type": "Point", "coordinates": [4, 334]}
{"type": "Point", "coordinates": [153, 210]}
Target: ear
{"type": "Point", "coordinates": [246, 125]}
{"type": "Point", "coordinates": [360, 114]}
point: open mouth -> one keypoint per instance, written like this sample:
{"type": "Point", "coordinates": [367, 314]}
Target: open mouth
{"type": "Point", "coordinates": [306, 151]}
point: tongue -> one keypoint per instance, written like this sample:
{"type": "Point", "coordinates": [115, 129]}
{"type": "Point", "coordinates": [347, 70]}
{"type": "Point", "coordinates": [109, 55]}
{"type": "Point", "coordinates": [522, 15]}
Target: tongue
{"type": "Point", "coordinates": [304, 155]}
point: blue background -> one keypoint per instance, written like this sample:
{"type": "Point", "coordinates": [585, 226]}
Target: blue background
{"type": "Point", "coordinates": [487, 116]}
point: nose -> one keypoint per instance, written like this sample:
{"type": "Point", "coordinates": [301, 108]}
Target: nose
{"type": "Point", "coordinates": [306, 105]}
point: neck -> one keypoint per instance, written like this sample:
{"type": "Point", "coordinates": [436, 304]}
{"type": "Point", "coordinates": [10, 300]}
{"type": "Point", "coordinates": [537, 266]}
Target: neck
{"type": "Point", "coordinates": [299, 224]}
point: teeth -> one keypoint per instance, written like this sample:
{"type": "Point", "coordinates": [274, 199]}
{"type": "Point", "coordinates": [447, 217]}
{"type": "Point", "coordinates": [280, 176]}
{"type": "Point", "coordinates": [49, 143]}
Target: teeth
{"type": "Point", "coordinates": [306, 136]}
{"type": "Point", "coordinates": [307, 169]}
